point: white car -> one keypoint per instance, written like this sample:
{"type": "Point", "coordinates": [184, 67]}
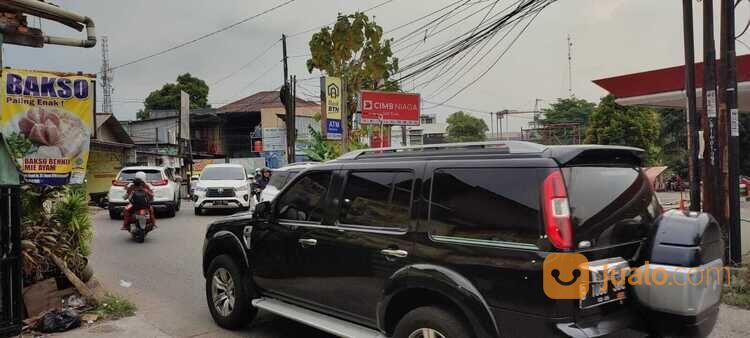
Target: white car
{"type": "Point", "coordinates": [280, 177]}
{"type": "Point", "coordinates": [165, 185]}
{"type": "Point", "coordinates": [222, 186]}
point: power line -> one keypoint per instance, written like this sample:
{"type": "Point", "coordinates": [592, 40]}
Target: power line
{"type": "Point", "coordinates": [253, 60]}
{"type": "Point", "coordinates": [204, 35]}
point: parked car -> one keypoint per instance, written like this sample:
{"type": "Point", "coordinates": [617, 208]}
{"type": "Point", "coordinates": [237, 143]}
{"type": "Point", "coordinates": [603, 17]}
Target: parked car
{"type": "Point", "coordinates": [280, 177]}
{"type": "Point", "coordinates": [162, 180]}
{"type": "Point", "coordinates": [222, 186]}
{"type": "Point", "coordinates": [451, 240]}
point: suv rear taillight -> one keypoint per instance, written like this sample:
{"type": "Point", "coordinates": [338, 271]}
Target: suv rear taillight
{"type": "Point", "coordinates": [119, 183]}
{"type": "Point", "coordinates": [159, 182]}
{"type": "Point", "coordinates": [557, 222]}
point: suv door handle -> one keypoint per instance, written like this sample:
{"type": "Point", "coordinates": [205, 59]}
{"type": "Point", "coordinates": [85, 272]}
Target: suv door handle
{"type": "Point", "coordinates": [306, 242]}
{"type": "Point", "coordinates": [394, 253]}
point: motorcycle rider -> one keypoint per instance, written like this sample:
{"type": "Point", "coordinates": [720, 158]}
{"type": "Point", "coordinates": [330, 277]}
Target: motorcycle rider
{"type": "Point", "coordinates": [261, 181]}
{"type": "Point", "coordinates": [140, 195]}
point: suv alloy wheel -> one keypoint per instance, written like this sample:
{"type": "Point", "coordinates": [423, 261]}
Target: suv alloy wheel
{"type": "Point", "coordinates": [432, 322]}
{"type": "Point", "coordinates": [228, 302]}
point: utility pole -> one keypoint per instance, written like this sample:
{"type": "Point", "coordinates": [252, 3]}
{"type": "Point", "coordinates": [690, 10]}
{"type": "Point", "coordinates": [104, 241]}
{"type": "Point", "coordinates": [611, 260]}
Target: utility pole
{"type": "Point", "coordinates": [729, 133]}
{"type": "Point", "coordinates": [710, 159]}
{"type": "Point", "coordinates": [293, 120]}
{"type": "Point", "coordinates": [345, 114]}
{"type": "Point", "coordinates": [287, 99]}
{"type": "Point", "coordinates": [693, 119]}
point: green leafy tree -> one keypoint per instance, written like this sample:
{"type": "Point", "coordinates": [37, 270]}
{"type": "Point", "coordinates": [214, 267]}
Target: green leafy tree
{"type": "Point", "coordinates": [168, 97]}
{"type": "Point", "coordinates": [354, 49]}
{"type": "Point", "coordinates": [463, 127]}
{"type": "Point", "coordinates": [568, 110]}
{"type": "Point", "coordinates": [673, 140]}
{"type": "Point", "coordinates": [639, 127]}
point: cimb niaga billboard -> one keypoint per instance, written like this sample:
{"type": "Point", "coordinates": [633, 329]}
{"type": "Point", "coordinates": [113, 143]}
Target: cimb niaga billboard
{"type": "Point", "coordinates": [390, 108]}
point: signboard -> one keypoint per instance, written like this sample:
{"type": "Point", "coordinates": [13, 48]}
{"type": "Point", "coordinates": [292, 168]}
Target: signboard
{"type": "Point", "coordinates": [184, 115]}
{"type": "Point", "coordinates": [390, 108]}
{"type": "Point", "coordinates": [333, 107]}
{"type": "Point", "coordinates": [274, 139]}
{"type": "Point", "coordinates": [47, 119]}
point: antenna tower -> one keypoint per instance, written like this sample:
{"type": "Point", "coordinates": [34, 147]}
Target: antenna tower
{"type": "Point", "coordinates": [106, 77]}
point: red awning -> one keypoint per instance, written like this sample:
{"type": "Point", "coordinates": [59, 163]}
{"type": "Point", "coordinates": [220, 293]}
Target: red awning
{"type": "Point", "coordinates": [666, 87]}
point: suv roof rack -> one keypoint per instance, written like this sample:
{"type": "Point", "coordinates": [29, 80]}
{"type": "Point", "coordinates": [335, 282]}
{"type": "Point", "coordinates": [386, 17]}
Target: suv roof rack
{"type": "Point", "coordinates": [436, 149]}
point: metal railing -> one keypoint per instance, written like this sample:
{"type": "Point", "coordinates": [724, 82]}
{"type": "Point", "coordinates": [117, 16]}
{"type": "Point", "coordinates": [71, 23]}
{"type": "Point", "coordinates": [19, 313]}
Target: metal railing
{"type": "Point", "coordinates": [510, 146]}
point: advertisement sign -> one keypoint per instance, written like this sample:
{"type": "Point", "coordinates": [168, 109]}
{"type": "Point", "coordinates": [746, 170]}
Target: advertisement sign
{"type": "Point", "coordinates": [390, 108]}
{"type": "Point", "coordinates": [274, 139]}
{"type": "Point", "coordinates": [333, 107]}
{"type": "Point", "coordinates": [47, 119]}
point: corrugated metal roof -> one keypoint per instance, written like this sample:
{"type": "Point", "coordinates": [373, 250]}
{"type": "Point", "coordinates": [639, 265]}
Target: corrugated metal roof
{"type": "Point", "coordinates": [260, 100]}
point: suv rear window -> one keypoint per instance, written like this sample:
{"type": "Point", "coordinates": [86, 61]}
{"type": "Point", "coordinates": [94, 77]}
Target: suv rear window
{"type": "Point", "coordinates": [610, 205]}
{"type": "Point", "coordinates": [496, 204]}
{"type": "Point", "coordinates": [129, 175]}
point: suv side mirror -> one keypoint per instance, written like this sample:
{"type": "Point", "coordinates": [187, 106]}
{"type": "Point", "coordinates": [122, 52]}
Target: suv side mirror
{"type": "Point", "coordinates": [262, 210]}
{"type": "Point", "coordinates": [250, 177]}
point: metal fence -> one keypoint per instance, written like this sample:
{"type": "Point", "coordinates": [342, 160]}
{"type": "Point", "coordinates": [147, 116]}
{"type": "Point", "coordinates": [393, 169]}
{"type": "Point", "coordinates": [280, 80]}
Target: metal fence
{"type": "Point", "coordinates": [11, 311]}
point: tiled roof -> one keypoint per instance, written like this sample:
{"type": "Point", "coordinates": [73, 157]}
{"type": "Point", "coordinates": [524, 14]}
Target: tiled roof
{"type": "Point", "coordinates": [258, 101]}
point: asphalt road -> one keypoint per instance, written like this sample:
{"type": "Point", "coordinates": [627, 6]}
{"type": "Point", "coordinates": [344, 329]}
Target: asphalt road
{"type": "Point", "coordinates": [166, 282]}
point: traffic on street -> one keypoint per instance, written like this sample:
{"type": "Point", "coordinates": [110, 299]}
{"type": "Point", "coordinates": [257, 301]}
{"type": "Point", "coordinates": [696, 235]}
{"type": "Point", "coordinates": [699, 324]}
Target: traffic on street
{"type": "Point", "coordinates": [374, 168]}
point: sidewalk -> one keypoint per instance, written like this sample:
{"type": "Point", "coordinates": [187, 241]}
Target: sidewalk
{"type": "Point", "coordinates": [135, 326]}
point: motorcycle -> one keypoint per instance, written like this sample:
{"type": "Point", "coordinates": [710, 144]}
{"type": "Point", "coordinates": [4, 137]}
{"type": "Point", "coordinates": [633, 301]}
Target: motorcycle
{"type": "Point", "coordinates": [140, 224]}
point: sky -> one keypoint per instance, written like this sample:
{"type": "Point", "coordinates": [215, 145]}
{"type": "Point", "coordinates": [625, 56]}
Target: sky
{"type": "Point", "coordinates": [610, 37]}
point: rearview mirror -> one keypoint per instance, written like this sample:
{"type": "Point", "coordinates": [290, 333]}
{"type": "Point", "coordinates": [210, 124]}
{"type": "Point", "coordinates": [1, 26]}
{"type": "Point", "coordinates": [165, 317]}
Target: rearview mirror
{"type": "Point", "coordinates": [262, 210]}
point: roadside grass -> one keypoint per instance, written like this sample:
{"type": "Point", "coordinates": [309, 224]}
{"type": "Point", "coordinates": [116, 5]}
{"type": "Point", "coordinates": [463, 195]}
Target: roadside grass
{"type": "Point", "coordinates": [114, 307]}
{"type": "Point", "coordinates": [738, 294]}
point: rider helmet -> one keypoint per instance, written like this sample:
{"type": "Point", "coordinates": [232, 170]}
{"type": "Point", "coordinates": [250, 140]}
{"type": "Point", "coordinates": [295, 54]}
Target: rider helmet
{"type": "Point", "coordinates": [140, 176]}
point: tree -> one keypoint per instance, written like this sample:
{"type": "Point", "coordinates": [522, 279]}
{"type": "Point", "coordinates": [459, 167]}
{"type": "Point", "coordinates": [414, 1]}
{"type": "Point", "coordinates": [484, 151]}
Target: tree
{"type": "Point", "coordinates": [463, 127]}
{"type": "Point", "coordinates": [673, 140]}
{"type": "Point", "coordinates": [355, 50]}
{"type": "Point", "coordinates": [612, 123]}
{"type": "Point", "coordinates": [568, 110]}
{"type": "Point", "coordinates": [168, 97]}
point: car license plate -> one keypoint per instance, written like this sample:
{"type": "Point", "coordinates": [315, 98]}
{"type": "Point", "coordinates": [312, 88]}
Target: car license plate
{"type": "Point", "coordinates": [220, 203]}
{"type": "Point", "coordinates": [614, 273]}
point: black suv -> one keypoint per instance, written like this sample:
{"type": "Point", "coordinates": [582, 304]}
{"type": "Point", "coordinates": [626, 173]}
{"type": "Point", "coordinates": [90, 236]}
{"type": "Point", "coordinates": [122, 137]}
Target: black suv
{"type": "Point", "coordinates": [451, 240]}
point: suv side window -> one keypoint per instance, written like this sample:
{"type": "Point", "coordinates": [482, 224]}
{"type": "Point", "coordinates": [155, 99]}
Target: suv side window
{"type": "Point", "coordinates": [304, 200]}
{"type": "Point", "coordinates": [378, 199]}
{"type": "Point", "coordinates": [494, 204]}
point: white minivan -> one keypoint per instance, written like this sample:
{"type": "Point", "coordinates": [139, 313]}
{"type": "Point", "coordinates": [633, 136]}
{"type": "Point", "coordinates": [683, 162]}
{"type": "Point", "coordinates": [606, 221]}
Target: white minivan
{"type": "Point", "coordinates": [222, 186]}
{"type": "Point", "coordinates": [165, 185]}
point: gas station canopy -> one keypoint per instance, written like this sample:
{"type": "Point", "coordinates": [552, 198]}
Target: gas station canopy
{"type": "Point", "coordinates": [666, 87]}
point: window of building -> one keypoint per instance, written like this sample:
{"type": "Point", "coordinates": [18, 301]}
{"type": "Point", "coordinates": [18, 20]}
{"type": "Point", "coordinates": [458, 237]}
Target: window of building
{"type": "Point", "coordinates": [379, 199]}
{"type": "Point", "coordinates": [304, 200]}
{"type": "Point", "coordinates": [496, 204]}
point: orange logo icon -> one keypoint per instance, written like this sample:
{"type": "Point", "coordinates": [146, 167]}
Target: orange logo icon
{"type": "Point", "coordinates": [565, 276]}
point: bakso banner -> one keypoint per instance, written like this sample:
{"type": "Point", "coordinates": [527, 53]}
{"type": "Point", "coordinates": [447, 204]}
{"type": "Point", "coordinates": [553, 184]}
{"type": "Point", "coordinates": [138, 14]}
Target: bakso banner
{"type": "Point", "coordinates": [47, 119]}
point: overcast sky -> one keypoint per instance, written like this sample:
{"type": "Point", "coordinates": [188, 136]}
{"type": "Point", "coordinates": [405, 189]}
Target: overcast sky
{"type": "Point", "coordinates": [611, 37]}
